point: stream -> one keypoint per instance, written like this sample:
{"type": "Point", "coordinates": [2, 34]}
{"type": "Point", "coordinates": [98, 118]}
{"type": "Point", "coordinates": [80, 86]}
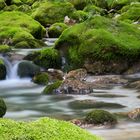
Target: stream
{"type": "Point", "coordinates": [25, 102]}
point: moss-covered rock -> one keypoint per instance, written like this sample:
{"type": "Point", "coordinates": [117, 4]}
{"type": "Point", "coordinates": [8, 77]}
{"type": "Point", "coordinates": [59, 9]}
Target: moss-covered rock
{"type": "Point", "coordinates": [100, 117]}
{"type": "Point", "coordinates": [103, 41]}
{"type": "Point", "coordinates": [80, 16]}
{"type": "Point", "coordinates": [56, 29]}
{"type": "Point", "coordinates": [48, 58]}
{"type": "Point", "coordinates": [4, 48]}
{"type": "Point", "coordinates": [51, 88]}
{"type": "Point", "coordinates": [88, 104]}
{"type": "Point", "coordinates": [2, 70]}
{"type": "Point", "coordinates": [41, 78]}
{"type": "Point", "coordinates": [3, 108]}
{"type": "Point", "coordinates": [17, 26]}
{"type": "Point", "coordinates": [130, 13]}
{"type": "Point", "coordinates": [42, 129]}
{"type": "Point", "coordinates": [27, 69]}
{"type": "Point", "coordinates": [52, 12]}
{"type": "Point", "coordinates": [92, 10]}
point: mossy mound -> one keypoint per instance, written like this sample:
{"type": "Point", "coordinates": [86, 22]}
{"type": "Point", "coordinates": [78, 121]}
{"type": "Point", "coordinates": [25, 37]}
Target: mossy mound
{"type": "Point", "coordinates": [56, 29]}
{"type": "Point", "coordinates": [80, 16]}
{"type": "Point", "coordinates": [2, 70]}
{"type": "Point", "coordinates": [41, 78]}
{"type": "Point", "coordinates": [100, 117]}
{"type": "Point", "coordinates": [47, 58]}
{"type": "Point", "coordinates": [51, 88]}
{"type": "Point", "coordinates": [102, 40]}
{"type": "Point", "coordinates": [130, 13]}
{"type": "Point", "coordinates": [42, 129]}
{"type": "Point", "coordinates": [52, 12]}
{"type": "Point", "coordinates": [17, 27]}
{"type": "Point", "coordinates": [4, 48]}
{"type": "Point", "coordinates": [92, 10]}
{"type": "Point", "coordinates": [3, 108]}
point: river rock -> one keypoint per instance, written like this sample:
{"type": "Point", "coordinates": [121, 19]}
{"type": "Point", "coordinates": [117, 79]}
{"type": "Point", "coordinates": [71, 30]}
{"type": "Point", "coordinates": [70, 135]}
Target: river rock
{"type": "Point", "coordinates": [78, 74]}
{"type": "Point", "coordinates": [2, 70]}
{"type": "Point", "coordinates": [3, 108]}
{"type": "Point", "coordinates": [100, 117]}
{"type": "Point", "coordinates": [70, 86]}
{"type": "Point", "coordinates": [134, 114]}
{"type": "Point", "coordinates": [134, 85]}
{"type": "Point", "coordinates": [55, 74]}
{"type": "Point", "coordinates": [27, 69]}
{"type": "Point", "coordinates": [88, 104]}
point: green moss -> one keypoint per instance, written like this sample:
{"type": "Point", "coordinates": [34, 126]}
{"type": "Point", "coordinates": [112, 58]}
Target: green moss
{"type": "Point", "coordinates": [52, 12]}
{"type": "Point", "coordinates": [42, 129]}
{"type": "Point", "coordinates": [16, 2]}
{"type": "Point", "coordinates": [101, 39]}
{"type": "Point", "coordinates": [41, 78]}
{"type": "Point", "coordinates": [80, 16]}
{"type": "Point", "coordinates": [52, 87]}
{"type": "Point", "coordinates": [130, 13]}
{"type": "Point", "coordinates": [10, 8]}
{"type": "Point", "coordinates": [16, 26]}
{"type": "Point", "coordinates": [4, 48]}
{"type": "Point", "coordinates": [100, 117]}
{"type": "Point", "coordinates": [92, 10]}
{"type": "Point", "coordinates": [56, 29]}
{"type": "Point", "coordinates": [48, 58]}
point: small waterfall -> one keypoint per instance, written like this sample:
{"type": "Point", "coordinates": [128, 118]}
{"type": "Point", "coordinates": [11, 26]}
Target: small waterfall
{"type": "Point", "coordinates": [11, 68]}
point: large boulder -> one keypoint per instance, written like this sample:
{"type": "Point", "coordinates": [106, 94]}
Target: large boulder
{"type": "Point", "coordinates": [23, 32]}
{"type": "Point", "coordinates": [46, 58]}
{"type": "Point", "coordinates": [2, 70]}
{"type": "Point", "coordinates": [27, 69]}
{"type": "Point", "coordinates": [56, 29]}
{"type": "Point", "coordinates": [99, 47]}
{"type": "Point", "coordinates": [52, 12]}
{"type": "Point", "coordinates": [3, 108]}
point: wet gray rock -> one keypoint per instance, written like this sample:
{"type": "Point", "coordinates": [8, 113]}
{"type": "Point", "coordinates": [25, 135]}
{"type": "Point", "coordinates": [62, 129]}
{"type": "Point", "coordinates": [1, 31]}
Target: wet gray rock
{"type": "Point", "coordinates": [27, 69]}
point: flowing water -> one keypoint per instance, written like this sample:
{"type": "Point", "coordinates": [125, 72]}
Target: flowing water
{"type": "Point", "coordinates": [25, 101]}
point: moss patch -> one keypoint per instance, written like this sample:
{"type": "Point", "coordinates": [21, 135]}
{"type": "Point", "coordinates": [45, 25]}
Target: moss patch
{"type": "Point", "coordinates": [52, 12]}
{"type": "Point", "coordinates": [101, 39]}
{"type": "Point", "coordinates": [4, 48]}
{"type": "Point", "coordinates": [17, 26]}
{"type": "Point", "coordinates": [100, 117]}
{"type": "Point", "coordinates": [42, 129]}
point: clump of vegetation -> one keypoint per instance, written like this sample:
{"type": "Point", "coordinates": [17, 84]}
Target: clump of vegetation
{"type": "Point", "coordinates": [42, 129]}
{"type": "Point", "coordinates": [56, 29]}
{"type": "Point", "coordinates": [51, 88]}
{"type": "Point", "coordinates": [100, 117]}
{"type": "Point", "coordinates": [4, 48]}
{"type": "Point", "coordinates": [41, 78]}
